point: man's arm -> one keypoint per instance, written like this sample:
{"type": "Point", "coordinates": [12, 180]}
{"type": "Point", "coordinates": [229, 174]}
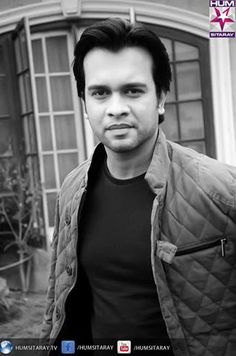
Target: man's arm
{"type": "Point", "coordinates": [47, 322]}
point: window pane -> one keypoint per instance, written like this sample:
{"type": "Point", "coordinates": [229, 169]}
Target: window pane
{"type": "Point", "coordinates": [191, 120]}
{"type": "Point", "coordinates": [185, 52]}
{"type": "Point", "coordinates": [61, 93]}
{"type": "Point", "coordinates": [28, 92]}
{"type": "Point", "coordinates": [2, 66]}
{"type": "Point", "coordinates": [38, 56]}
{"type": "Point", "coordinates": [33, 169]}
{"type": "Point", "coordinates": [23, 46]}
{"type": "Point", "coordinates": [18, 55]}
{"type": "Point", "coordinates": [198, 146]}
{"type": "Point", "coordinates": [49, 172]}
{"type": "Point", "coordinates": [66, 162]}
{"type": "Point", "coordinates": [5, 137]}
{"type": "Point", "coordinates": [57, 54]}
{"type": "Point", "coordinates": [170, 125]}
{"type": "Point", "coordinates": [51, 200]}
{"type": "Point", "coordinates": [168, 46]}
{"type": "Point", "coordinates": [188, 80]}
{"type": "Point", "coordinates": [42, 94]}
{"type": "Point", "coordinates": [22, 94]}
{"type": "Point", "coordinates": [30, 135]}
{"type": "Point", "coordinates": [25, 93]}
{"type": "Point", "coordinates": [3, 96]}
{"type": "Point", "coordinates": [45, 130]}
{"type": "Point", "coordinates": [65, 131]}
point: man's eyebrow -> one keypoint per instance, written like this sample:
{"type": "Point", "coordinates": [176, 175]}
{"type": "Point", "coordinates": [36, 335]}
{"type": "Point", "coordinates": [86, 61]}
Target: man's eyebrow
{"type": "Point", "coordinates": [97, 86]}
{"type": "Point", "coordinates": [135, 84]}
{"type": "Point", "coordinates": [127, 85]}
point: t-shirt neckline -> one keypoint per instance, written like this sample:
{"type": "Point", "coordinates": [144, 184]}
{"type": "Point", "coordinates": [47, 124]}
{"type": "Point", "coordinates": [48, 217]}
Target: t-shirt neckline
{"type": "Point", "coordinates": [121, 181]}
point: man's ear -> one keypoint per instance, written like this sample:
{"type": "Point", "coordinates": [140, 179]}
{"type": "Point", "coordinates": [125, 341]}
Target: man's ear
{"type": "Point", "coordinates": [161, 103]}
{"type": "Point", "coordinates": [162, 99]}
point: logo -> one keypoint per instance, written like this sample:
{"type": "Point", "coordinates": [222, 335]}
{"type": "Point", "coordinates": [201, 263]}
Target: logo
{"type": "Point", "coordinates": [68, 347]}
{"type": "Point", "coordinates": [124, 347]}
{"type": "Point", "coordinates": [222, 18]}
{"type": "Point", "coordinates": [6, 347]}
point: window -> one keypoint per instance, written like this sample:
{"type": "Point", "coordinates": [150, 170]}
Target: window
{"type": "Point", "coordinates": [27, 114]}
{"type": "Point", "coordinates": [59, 120]}
{"type": "Point", "coordinates": [188, 118]}
{"type": "Point", "coordinates": [8, 95]}
{"type": "Point", "coordinates": [5, 118]}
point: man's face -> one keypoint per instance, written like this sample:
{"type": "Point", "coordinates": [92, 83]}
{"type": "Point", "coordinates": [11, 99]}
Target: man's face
{"type": "Point", "coordinates": [120, 97]}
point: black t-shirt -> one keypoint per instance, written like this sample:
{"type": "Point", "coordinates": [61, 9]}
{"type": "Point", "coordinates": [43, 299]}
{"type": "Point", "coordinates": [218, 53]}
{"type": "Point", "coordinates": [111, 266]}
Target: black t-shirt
{"type": "Point", "coordinates": [114, 254]}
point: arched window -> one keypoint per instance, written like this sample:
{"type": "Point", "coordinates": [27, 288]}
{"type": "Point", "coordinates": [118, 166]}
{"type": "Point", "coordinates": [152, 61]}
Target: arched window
{"type": "Point", "coordinates": [189, 116]}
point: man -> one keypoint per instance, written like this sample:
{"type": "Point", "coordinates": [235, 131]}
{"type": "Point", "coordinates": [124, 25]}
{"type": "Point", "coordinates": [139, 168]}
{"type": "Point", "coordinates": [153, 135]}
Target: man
{"type": "Point", "coordinates": [145, 230]}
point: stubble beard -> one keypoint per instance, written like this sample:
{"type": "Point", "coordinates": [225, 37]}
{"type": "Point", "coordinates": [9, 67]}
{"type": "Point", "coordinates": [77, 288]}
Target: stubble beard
{"type": "Point", "coordinates": [126, 147]}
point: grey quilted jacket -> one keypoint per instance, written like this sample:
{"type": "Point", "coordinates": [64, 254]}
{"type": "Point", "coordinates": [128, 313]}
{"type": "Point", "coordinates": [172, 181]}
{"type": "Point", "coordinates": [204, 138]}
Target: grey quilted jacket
{"type": "Point", "coordinates": [193, 254]}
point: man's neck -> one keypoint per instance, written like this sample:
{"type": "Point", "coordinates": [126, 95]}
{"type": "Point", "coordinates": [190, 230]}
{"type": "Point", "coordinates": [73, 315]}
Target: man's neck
{"type": "Point", "coordinates": [125, 165]}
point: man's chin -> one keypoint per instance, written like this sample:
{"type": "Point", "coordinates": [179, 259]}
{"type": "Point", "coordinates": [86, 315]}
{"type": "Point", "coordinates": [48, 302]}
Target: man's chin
{"type": "Point", "coordinates": [121, 147]}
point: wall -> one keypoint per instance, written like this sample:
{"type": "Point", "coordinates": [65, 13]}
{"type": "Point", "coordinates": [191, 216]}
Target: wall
{"type": "Point", "coordinates": [11, 4]}
{"type": "Point", "coordinates": [199, 6]}
{"type": "Point", "coordinates": [233, 76]}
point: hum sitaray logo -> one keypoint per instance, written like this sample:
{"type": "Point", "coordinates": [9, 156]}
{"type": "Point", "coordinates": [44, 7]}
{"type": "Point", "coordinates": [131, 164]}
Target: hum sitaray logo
{"type": "Point", "coordinates": [222, 18]}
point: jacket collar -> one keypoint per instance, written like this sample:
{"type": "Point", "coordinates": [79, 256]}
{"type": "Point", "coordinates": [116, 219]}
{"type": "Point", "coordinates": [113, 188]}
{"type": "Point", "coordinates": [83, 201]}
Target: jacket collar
{"type": "Point", "coordinates": [158, 169]}
{"type": "Point", "coordinates": [157, 172]}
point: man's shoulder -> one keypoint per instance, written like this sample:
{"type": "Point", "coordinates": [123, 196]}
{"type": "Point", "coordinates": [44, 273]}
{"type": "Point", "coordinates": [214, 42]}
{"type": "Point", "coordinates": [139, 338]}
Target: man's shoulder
{"type": "Point", "coordinates": [217, 179]}
{"type": "Point", "coordinates": [75, 178]}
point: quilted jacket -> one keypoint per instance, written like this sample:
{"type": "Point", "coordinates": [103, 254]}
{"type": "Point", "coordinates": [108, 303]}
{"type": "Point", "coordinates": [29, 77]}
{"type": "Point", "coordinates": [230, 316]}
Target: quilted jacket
{"type": "Point", "coordinates": [193, 253]}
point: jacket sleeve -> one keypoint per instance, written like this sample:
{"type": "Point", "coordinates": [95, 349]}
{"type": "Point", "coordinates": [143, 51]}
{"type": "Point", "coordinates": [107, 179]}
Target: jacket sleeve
{"type": "Point", "coordinates": [232, 189]}
{"type": "Point", "coordinates": [47, 321]}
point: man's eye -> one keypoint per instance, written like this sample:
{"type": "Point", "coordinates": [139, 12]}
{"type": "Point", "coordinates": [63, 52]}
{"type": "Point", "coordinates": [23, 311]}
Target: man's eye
{"type": "Point", "coordinates": [133, 91]}
{"type": "Point", "coordinates": [100, 93]}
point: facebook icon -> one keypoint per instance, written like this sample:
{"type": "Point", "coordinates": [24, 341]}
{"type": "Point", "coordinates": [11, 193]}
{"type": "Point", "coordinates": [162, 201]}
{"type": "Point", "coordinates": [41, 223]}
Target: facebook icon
{"type": "Point", "coordinates": [68, 347]}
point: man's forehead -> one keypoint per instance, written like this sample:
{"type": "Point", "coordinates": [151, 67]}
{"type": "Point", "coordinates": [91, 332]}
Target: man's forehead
{"type": "Point", "coordinates": [127, 51]}
{"type": "Point", "coordinates": [133, 64]}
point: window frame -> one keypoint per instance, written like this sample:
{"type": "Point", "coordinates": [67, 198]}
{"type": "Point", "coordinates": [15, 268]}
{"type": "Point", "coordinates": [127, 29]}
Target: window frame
{"type": "Point", "coordinates": [84, 138]}
{"type": "Point", "coordinates": [12, 92]}
{"type": "Point", "coordinates": [205, 77]}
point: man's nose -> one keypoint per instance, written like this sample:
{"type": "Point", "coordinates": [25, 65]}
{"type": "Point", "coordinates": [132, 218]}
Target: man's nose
{"type": "Point", "coordinates": [117, 106]}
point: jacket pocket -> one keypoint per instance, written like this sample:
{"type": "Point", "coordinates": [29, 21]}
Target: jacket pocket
{"type": "Point", "coordinates": [193, 248]}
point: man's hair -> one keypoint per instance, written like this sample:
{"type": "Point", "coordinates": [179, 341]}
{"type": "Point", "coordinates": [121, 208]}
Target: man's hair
{"type": "Point", "coordinates": [114, 34]}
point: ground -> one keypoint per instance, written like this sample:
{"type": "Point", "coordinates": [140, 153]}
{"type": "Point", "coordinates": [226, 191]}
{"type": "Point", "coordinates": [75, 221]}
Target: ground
{"type": "Point", "coordinates": [27, 322]}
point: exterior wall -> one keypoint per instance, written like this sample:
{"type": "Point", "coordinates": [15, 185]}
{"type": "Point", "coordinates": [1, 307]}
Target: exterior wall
{"type": "Point", "coordinates": [233, 76]}
{"type": "Point", "coordinates": [224, 119]}
{"type": "Point", "coordinates": [11, 4]}
{"type": "Point", "coordinates": [198, 6]}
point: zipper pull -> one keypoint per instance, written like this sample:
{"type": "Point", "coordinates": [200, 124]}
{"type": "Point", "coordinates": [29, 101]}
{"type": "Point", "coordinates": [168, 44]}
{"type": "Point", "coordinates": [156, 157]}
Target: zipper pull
{"type": "Point", "coordinates": [223, 242]}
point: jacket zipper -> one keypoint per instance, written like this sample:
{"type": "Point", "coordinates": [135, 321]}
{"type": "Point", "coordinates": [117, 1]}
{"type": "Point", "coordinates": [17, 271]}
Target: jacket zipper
{"type": "Point", "coordinates": [219, 242]}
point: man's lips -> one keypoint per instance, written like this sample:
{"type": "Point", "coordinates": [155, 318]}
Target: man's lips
{"type": "Point", "coordinates": [119, 126]}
